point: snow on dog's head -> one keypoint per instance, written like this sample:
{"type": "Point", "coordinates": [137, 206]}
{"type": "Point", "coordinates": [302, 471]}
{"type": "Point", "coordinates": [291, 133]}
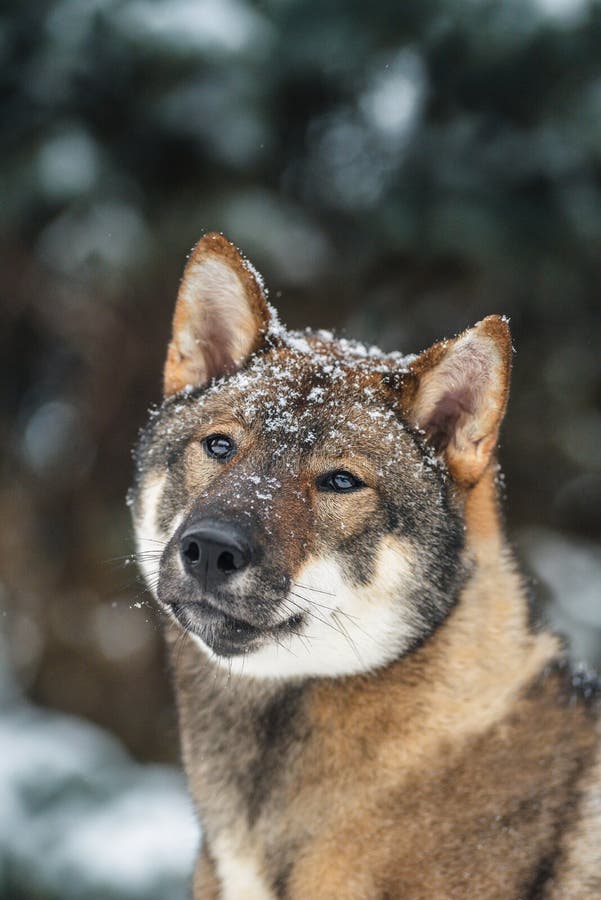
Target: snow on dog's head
{"type": "Point", "coordinates": [298, 501]}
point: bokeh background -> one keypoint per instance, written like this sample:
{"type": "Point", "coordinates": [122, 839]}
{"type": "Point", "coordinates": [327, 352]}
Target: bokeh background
{"type": "Point", "coordinates": [396, 171]}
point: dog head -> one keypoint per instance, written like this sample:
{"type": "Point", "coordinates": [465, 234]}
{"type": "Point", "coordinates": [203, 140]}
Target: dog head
{"type": "Point", "coordinates": [298, 499]}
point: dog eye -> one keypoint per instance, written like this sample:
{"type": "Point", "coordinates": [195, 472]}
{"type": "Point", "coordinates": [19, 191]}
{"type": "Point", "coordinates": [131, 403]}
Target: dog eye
{"type": "Point", "coordinates": [339, 482]}
{"type": "Point", "coordinates": [219, 446]}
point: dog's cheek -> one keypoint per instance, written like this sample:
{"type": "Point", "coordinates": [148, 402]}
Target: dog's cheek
{"type": "Point", "coordinates": [340, 518]}
{"type": "Point", "coordinates": [350, 530]}
{"type": "Point", "coordinates": [377, 620]}
{"type": "Point", "coordinates": [157, 516]}
{"type": "Point", "coordinates": [149, 537]}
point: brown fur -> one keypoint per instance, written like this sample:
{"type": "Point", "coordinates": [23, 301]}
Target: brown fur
{"type": "Point", "coordinates": [468, 766]}
{"type": "Point", "coordinates": [206, 883]}
{"type": "Point", "coordinates": [454, 773]}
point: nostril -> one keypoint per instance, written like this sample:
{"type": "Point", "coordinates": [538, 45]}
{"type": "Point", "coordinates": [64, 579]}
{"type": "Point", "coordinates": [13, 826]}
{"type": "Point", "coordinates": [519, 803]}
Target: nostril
{"type": "Point", "coordinates": [226, 562]}
{"type": "Point", "coordinates": [191, 551]}
{"type": "Point", "coordinates": [212, 553]}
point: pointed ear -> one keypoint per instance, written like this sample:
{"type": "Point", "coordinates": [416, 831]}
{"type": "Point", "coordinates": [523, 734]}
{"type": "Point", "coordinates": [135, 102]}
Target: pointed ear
{"type": "Point", "coordinates": [221, 316]}
{"type": "Point", "coordinates": [458, 396]}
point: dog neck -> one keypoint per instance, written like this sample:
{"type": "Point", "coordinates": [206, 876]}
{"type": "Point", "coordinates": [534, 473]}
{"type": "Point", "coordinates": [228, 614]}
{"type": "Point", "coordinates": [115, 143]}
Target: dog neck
{"type": "Point", "coordinates": [485, 538]}
{"type": "Point", "coordinates": [467, 674]}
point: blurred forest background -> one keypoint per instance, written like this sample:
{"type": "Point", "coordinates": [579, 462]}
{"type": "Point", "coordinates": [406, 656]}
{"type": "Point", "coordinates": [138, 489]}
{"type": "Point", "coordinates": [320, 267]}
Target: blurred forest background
{"type": "Point", "coordinates": [395, 170]}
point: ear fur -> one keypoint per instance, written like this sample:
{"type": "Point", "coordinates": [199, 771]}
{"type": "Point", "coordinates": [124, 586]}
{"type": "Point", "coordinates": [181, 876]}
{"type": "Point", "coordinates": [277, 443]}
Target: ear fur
{"type": "Point", "coordinates": [221, 316]}
{"type": "Point", "coordinates": [459, 396]}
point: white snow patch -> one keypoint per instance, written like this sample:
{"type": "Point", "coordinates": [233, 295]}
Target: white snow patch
{"type": "Point", "coordinates": [80, 820]}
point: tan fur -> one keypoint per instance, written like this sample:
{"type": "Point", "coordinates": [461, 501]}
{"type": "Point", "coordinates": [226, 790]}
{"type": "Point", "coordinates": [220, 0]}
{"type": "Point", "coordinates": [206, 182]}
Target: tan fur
{"type": "Point", "coordinates": [206, 883]}
{"type": "Point", "coordinates": [456, 763]}
{"type": "Point", "coordinates": [408, 774]}
{"type": "Point", "coordinates": [482, 514]}
{"type": "Point", "coordinates": [473, 676]}
{"type": "Point", "coordinates": [579, 874]}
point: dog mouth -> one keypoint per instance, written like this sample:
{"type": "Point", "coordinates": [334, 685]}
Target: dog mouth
{"type": "Point", "coordinates": [226, 635]}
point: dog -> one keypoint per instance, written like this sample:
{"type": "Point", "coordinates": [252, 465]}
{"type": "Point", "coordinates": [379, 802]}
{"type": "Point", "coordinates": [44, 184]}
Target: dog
{"type": "Point", "coordinates": [366, 708]}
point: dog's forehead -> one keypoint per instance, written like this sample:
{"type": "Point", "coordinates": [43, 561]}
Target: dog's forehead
{"type": "Point", "coordinates": [309, 394]}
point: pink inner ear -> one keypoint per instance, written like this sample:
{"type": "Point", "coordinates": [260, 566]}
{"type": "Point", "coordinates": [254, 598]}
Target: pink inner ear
{"type": "Point", "coordinates": [217, 356]}
{"type": "Point", "coordinates": [220, 316]}
{"type": "Point", "coordinates": [457, 391]}
{"type": "Point", "coordinates": [444, 419]}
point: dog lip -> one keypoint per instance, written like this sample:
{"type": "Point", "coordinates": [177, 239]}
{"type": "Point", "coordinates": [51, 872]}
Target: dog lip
{"type": "Point", "coordinates": [210, 611]}
{"type": "Point", "coordinates": [222, 632]}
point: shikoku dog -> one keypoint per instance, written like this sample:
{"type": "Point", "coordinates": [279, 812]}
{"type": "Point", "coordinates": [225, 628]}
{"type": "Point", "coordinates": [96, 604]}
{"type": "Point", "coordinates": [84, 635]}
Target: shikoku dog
{"type": "Point", "coordinates": [366, 709]}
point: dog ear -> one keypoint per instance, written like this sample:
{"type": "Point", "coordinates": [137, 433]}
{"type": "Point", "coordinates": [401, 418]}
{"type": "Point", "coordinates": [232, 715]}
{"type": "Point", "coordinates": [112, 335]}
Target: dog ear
{"type": "Point", "coordinates": [221, 316]}
{"type": "Point", "coordinates": [458, 396]}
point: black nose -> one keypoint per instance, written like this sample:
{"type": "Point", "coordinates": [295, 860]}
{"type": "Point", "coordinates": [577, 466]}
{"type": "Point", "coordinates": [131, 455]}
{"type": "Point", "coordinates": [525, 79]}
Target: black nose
{"type": "Point", "coordinates": [211, 551]}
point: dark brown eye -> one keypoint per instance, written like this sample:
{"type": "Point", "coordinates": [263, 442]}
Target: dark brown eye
{"type": "Point", "coordinates": [339, 482]}
{"type": "Point", "coordinates": [219, 446]}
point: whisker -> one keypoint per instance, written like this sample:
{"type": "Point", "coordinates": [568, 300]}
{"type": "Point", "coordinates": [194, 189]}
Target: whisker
{"type": "Point", "coordinates": [283, 646]}
{"type": "Point", "coordinates": [306, 587]}
{"type": "Point", "coordinates": [314, 602]}
{"type": "Point", "coordinates": [362, 630]}
{"type": "Point", "coordinates": [353, 620]}
{"type": "Point", "coordinates": [179, 646]}
{"type": "Point", "coordinates": [319, 619]}
{"type": "Point", "coordinates": [152, 580]}
{"type": "Point", "coordinates": [304, 638]}
{"type": "Point", "coordinates": [324, 606]}
{"type": "Point", "coordinates": [350, 641]}
{"type": "Point", "coordinates": [135, 554]}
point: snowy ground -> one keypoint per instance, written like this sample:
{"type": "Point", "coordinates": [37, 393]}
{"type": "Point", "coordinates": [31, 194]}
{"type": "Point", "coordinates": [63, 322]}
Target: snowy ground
{"type": "Point", "coordinates": [80, 819]}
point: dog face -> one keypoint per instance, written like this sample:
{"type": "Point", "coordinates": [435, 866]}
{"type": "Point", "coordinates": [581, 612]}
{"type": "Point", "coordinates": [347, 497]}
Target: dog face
{"type": "Point", "coordinates": [298, 502]}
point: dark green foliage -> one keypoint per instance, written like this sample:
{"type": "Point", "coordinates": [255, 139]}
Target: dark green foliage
{"type": "Point", "coordinates": [397, 169]}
